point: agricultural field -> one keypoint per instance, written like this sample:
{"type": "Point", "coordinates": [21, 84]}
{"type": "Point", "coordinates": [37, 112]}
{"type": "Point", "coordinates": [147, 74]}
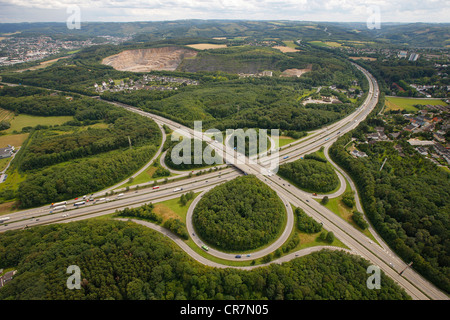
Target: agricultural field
{"type": "Point", "coordinates": [285, 49]}
{"type": "Point", "coordinates": [363, 58]}
{"type": "Point", "coordinates": [332, 44]}
{"type": "Point", "coordinates": [24, 120]}
{"type": "Point", "coordinates": [15, 140]}
{"type": "Point", "coordinates": [290, 47]}
{"type": "Point", "coordinates": [290, 44]}
{"type": "Point", "coordinates": [408, 104]}
{"type": "Point", "coordinates": [43, 64]}
{"type": "Point", "coordinates": [206, 46]}
{"type": "Point", "coordinates": [6, 115]}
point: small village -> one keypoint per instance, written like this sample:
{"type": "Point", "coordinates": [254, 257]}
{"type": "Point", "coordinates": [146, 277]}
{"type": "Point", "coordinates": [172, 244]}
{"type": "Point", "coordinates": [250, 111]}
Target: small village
{"type": "Point", "coordinates": [147, 82]}
{"type": "Point", "coordinates": [425, 129]}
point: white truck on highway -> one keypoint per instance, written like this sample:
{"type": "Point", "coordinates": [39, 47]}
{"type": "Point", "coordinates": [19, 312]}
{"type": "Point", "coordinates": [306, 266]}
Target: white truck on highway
{"type": "Point", "coordinates": [77, 204]}
{"type": "Point", "coordinates": [57, 204]}
{"type": "Point", "coordinates": [177, 189]}
{"type": "Point", "coordinates": [3, 219]}
{"type": "Point", "coordinates": [63, 207]}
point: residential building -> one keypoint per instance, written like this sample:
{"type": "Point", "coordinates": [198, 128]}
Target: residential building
{"type": "Point", "coordinates": [6, 152]}
{"type": "Point", "coordinates": [7, 277]}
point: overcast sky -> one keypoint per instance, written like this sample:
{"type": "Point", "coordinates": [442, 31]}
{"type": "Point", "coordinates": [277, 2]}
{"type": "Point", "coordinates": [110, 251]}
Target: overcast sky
{"type": "Point", "coordinates": [158, 10]}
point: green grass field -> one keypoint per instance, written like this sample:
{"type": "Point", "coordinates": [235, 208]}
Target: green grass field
{"type": "Point", "coordinates": [290, 44]}
{"type": "Point", "coordinates": [173, 208]}
{"type": "Point", "coordinates": [340, 209]}
{"type": "Point", "coordinates": [326, 44]}
{"type": "Point", "coordinates": [15, 140]}
{"type": "Point", "coordinates": [282, 141]}
{"type": "Point", "coordinates": [23, 120]}
{"type": "Point", "coordinates": [408, 104]}
{"type": "Point", "coordinates": [3, 163]}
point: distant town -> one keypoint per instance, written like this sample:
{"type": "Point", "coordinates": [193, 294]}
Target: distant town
{"type": "Point", "coordinates": [14, 50]}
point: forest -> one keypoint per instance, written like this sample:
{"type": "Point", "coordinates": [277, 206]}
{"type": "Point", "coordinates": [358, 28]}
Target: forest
{"type": "Point", "coordinates": [195, 153]}
{"type": "Point", "coordinates": [241, 214]}
{"type": "Point", "coordinates": [126, 261]}
{"type": "Point", "coordinates": [246, 103]}
{"type": "Point", "coordinates": [305, 223]}
{"type": "Point", "coordinates": [81, 156]}
{"type": "Point", "coordinates": [310, 174]}
{"type": "Point", "coordinates": [407, 202]}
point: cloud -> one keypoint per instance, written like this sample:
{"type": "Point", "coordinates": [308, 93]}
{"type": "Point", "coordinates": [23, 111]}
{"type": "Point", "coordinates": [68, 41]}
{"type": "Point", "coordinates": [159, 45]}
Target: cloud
{"type": "Point", "coordinates": [138, 10]}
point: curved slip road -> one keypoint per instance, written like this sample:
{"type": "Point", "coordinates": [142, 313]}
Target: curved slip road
{"type": "Point", "coordinates": [199, 258]}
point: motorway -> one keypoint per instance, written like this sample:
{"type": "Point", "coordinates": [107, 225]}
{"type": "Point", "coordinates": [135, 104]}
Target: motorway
{"type": "Point", "coordinates": [415, 285]}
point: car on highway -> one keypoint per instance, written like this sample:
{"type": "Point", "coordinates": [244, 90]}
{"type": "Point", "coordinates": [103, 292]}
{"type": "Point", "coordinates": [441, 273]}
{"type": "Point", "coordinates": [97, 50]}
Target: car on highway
{"type": "Point", "coordinates": [177, 189]}
{"type": "Point", "coordinates": [205, 248]}
{"type": "Point", "coordinates": [238, 256]}
{"type": "Point", "coordinates": [156, 187]}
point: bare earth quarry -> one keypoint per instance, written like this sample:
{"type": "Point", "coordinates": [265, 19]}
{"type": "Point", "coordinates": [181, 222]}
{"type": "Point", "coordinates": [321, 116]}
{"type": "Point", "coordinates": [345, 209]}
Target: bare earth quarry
{"type": "Point", "coordinates": [145, 60]}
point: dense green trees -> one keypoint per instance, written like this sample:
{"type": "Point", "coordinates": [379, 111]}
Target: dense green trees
{"type": "Point", "coordinates": [305, 223]}
{"type": "Point", "coordinates": [241, 214]}
{"type": "Point", "coordinates": [205, 153]}
{"type": "Point", "coordinates": [407, 203]}
{"type": "Point", "coordinates": [310, 175]}
{"type": "Point", "coordinates": [177, 227]}
{"type": "Point", "coordinates": [122, 260]}
{"type": "Point", "coordinates": [185, 198]}
{"type": "Point", "coordinates": [348, 199]}
{"type": "Point", "coordinates": [358, 218]}
{"type": "Point", "coordinates": [143, 212]}
{"type": "Point", "coordinates": [245, 103]}
{"type": "Point", "coordinates": [83, 176]}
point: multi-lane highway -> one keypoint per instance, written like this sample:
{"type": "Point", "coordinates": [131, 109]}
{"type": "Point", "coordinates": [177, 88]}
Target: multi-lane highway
{"type": "Point", "coordinates": [416, 286]}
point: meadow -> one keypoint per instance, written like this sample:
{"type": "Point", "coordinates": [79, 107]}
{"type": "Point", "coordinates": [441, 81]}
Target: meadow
{"type": "Point", "coordinates": [24, 120]}
{"type": "Point", "coordinates": [408, 104]}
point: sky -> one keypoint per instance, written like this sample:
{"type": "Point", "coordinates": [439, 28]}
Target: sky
{"type": "Point", "coordinates": [160, 10]}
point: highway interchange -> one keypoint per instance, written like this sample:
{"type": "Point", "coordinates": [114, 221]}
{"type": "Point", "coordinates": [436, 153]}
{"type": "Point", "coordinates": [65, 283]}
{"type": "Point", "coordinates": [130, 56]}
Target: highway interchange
{"type": "Point", "coordinates": [358, 243]}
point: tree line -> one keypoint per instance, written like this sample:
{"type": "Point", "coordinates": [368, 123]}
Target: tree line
{"type": "Point", "coordinates": [125, 261]}
{"type": "Point", "coordinates": [310, 174]}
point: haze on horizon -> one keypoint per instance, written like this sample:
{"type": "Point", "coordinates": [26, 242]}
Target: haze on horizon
{"type": "Point", "coordinates": [14, 11]}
